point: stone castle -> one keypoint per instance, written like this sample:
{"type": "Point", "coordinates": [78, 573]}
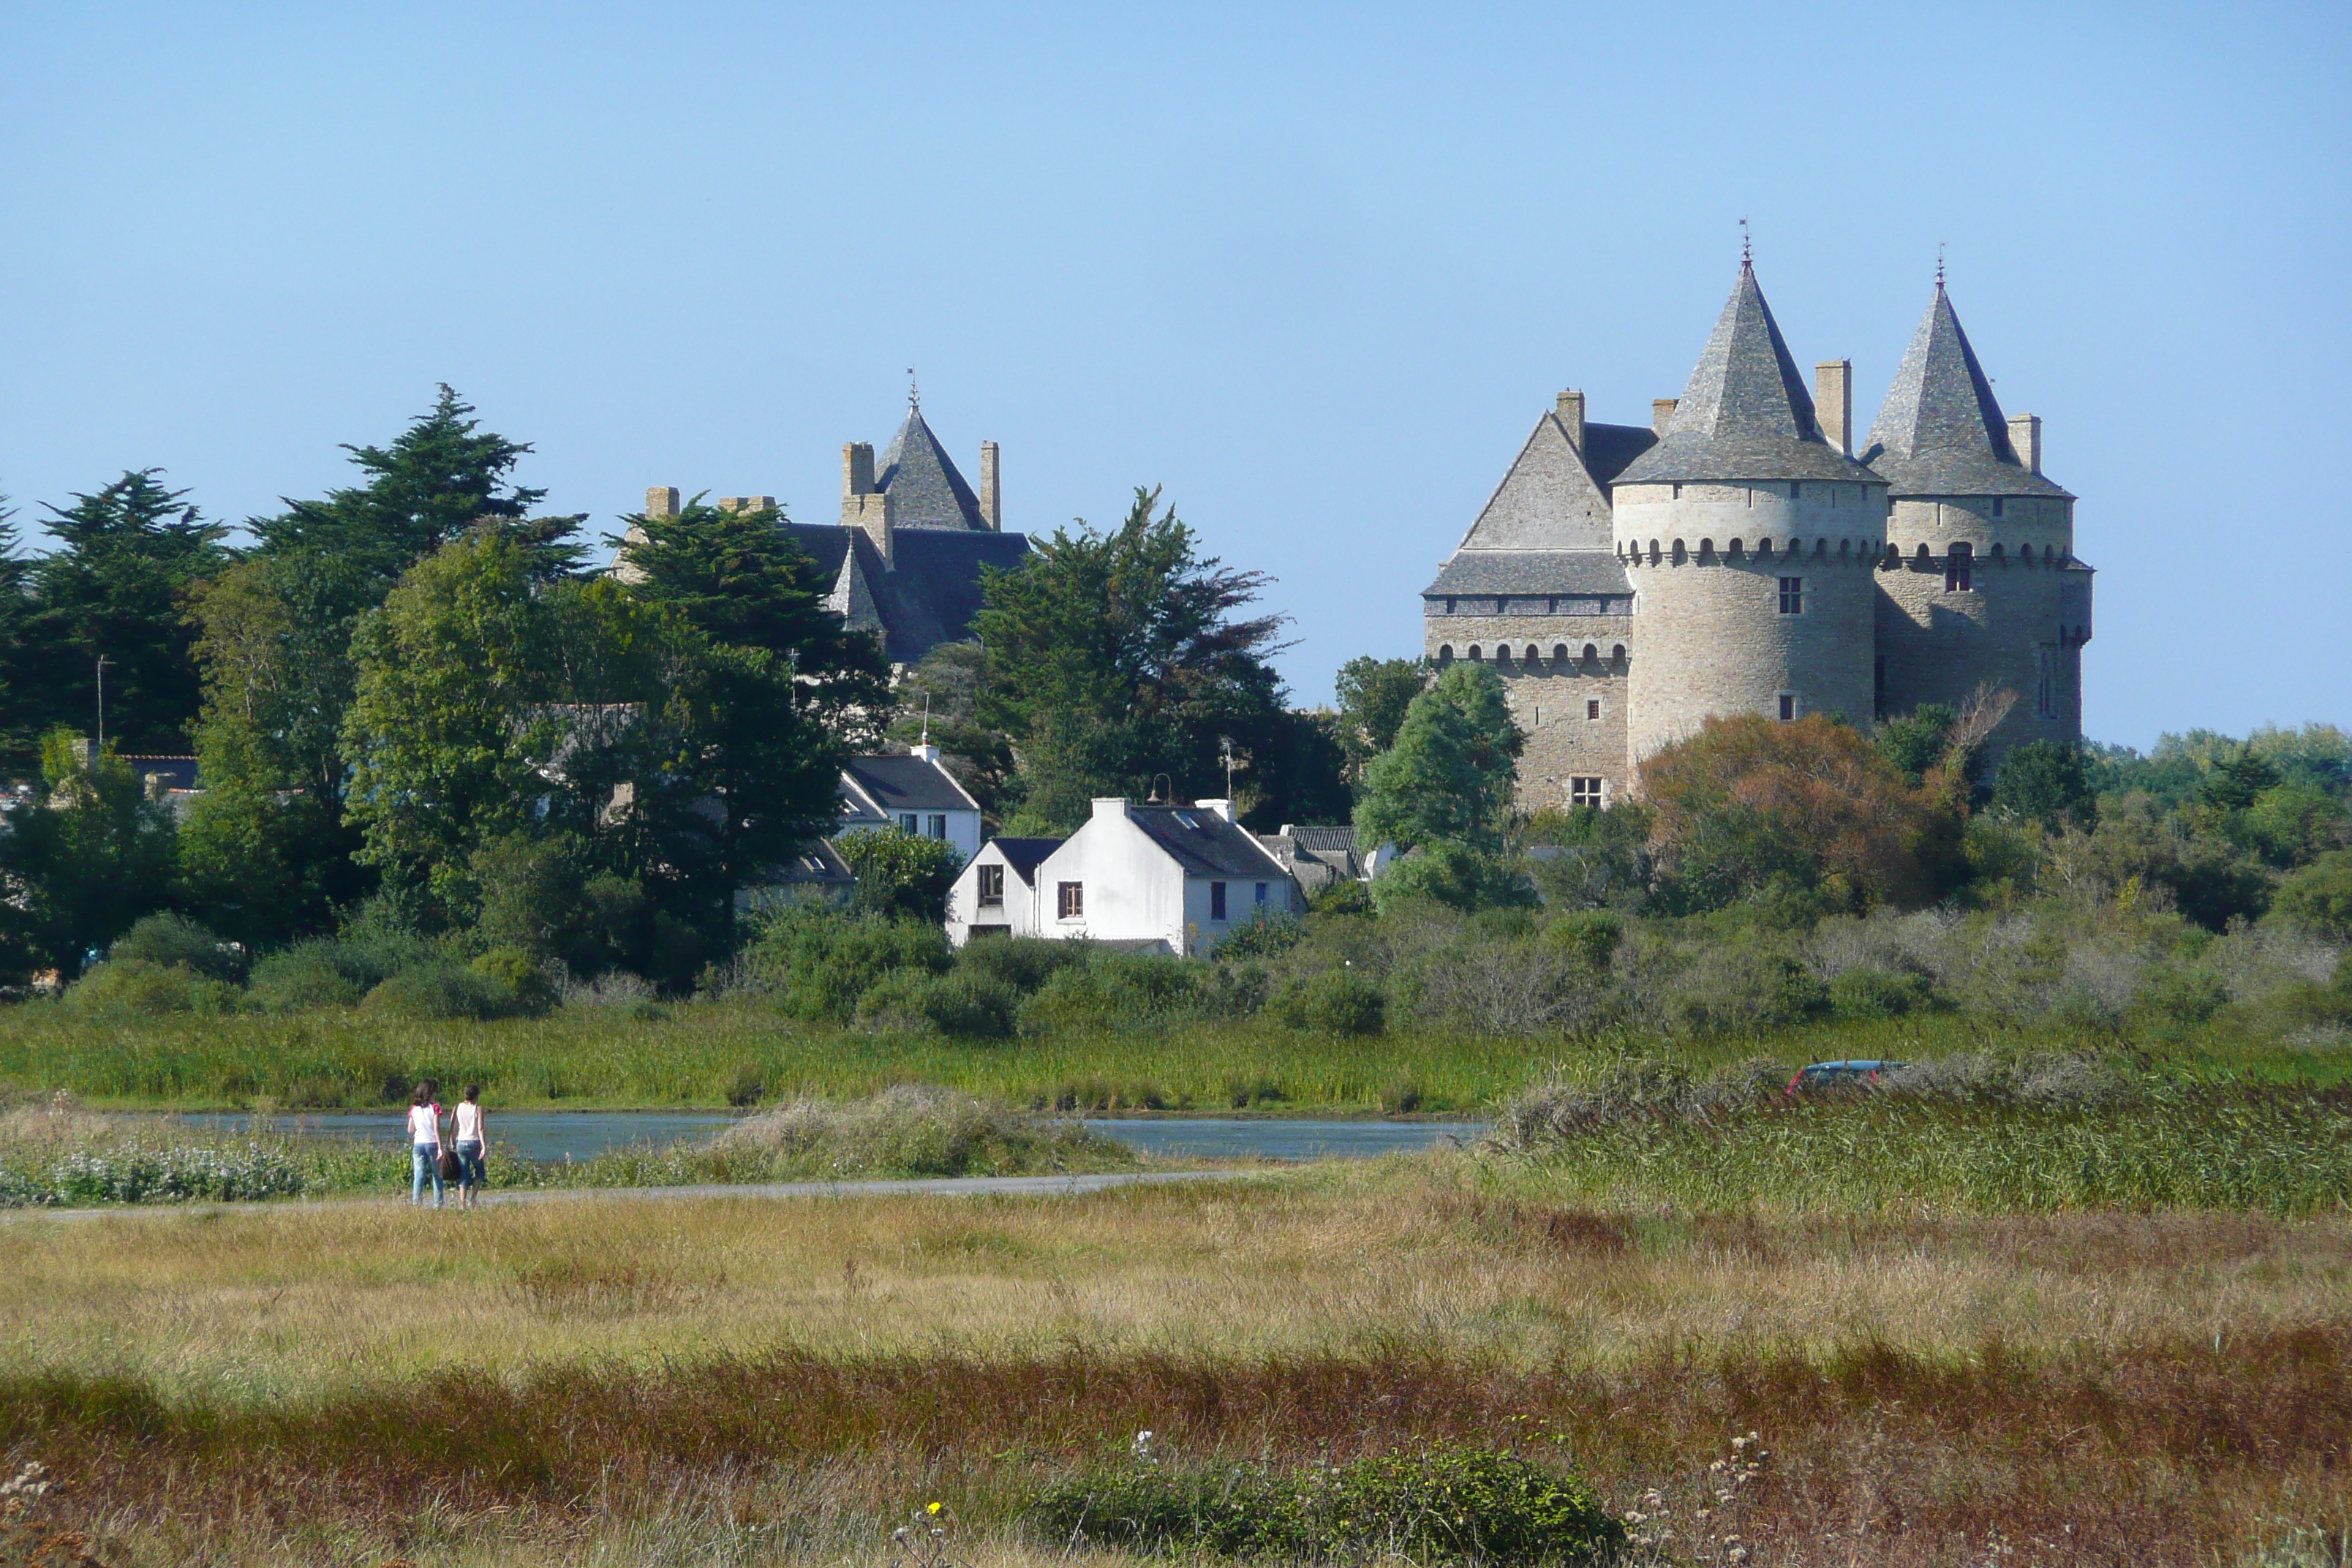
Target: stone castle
{"type": "Point", "coordinates": [1740, 555]}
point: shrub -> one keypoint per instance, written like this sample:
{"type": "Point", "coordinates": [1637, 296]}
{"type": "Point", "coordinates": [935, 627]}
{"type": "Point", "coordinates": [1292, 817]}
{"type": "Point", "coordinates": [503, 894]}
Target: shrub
{"type": "Point", "coordinates": [1116, 991]}
{"type": "Point", "coordinates": [135, 987]}
{"type": "Point", "coordinates": [911, 1129]}
{"type": "Point", "coordinates": [1457, 875]}
{"type": "Point", "coordinates": [314, 973]}
{"type": "Point", "coordinates": [2047, 783]}
{"type": "Point", "coordinates": [1335, 1002]}
{"type": "Point", "coordinates": [428, 992]}
{"type": "Point", "coordinates": [901, 874]}
{"type": "Point", "coordinates": [1267, 936]}
{"type": "Point", "coordinates": [175, 940]}
{"type": "Point", "coordinates": [1590, 937]}
{"type": "Point", "coordinates": [969, 1007]}
{"type": "Point", "coordinates": [1880, 993]}
{"type": "Point", "coordinates": [520, 975]}
{"type": "Point", "coordinates": [2319, 897]}
{"type": "Point", "coordinates": [824, 962]}
{"type": "Point", "coordinates": [1023, 963]}
{"type": "Point", "coordinates": [1445, 1503]}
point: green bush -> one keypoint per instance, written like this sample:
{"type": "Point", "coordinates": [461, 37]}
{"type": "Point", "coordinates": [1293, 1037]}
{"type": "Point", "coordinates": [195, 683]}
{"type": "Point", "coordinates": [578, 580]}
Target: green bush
{"type": "Point", "coordinates": [822, 963]}
{"type": "Point", "coordinates": [901, 875]}
{"type": "Point", "coordinates": [1740, 990]}
{"type": "Point", "coordinates": [1116, 991]}
{"type": "Point", "coordinates": [435, 991]}
{"type": "Point", "coordinates": [1590, 937]}
{"type": "Point", "coordinates": [1023, 963]}
{"type": "Point", "coordinates": [175, 940]}
{"type": "Point", "coordinates": [2319, 897]}
{"type": "Point", "coordinates": [315, 974]}
{"type": "Point", "coordinates": [519, 973]}
{"type": "Point", "coordinates": [1267, 936]}
{"type": "Point", "coordinates": [969, 1007]}
{"type": "Point", "coordinates": [1880, 993]}
{"type": "Point", "coordinates": [1446, 1503]}
{"type": "Point", "coordinates": [138, 988]}
{"type": "Point", "coordinates": [1335, 1002]}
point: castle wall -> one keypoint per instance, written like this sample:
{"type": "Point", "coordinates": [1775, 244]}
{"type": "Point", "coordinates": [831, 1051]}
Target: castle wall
{"type": "Point", "coordinates": [2019, 625]}
{"type": "Point", "coordinates": [1579, 660]}
{"type": "Point", "coordinates": [1706, 563]}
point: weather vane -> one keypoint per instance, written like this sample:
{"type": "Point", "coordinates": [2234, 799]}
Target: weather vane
{"type": "Point", "coordinates": [914, 393]}
{"type": "Point", "coordinates": [1746, 245]}
{"type": "Point", "coordinates": [1939, 264]}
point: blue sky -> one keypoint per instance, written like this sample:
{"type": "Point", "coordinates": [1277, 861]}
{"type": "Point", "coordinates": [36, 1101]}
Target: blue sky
{"type": "Point", "coordinates": [1315, 269]}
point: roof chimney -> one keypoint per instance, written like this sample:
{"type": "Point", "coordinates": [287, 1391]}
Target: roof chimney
{"type": "Point", "coordinates": [856, 470]}
{"type": "Point", "coordinates": [1834, 402]}
{"type": "Point", "coordinates": [1224, 809]}
{"type": "Point", "coordinates": [1571, 418]}
{"type": "Point", "coordinates": [662, 502]}
{"type": "Point", "coordinates": [746, 503]}
{"type": "Point", "coordinates": [2025, 435]}
{"type": "Point", "coordinates": [991, 505]}
{"type": "Point", "coordinates": [1662, 414]}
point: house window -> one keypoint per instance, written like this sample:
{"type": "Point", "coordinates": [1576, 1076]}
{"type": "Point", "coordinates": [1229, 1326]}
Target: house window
{"type": "Point", "coordinates": [907, 822]}
{"type": "Point", "coordinates": [1216, 900]}
{"type": "Point", "coordinates": [939, 824]}
{"type": "Point", "coordinates": [1584, 791]}
{"type": "Point", "coordinates": [1792, 595]}
{"type": "Point", "coordinates": [1261, 894]}
{"type": "Point", "coordinates": [1592, 707]}
{"type": "Point", "coordinates": [1552, 606]}
{"type": "Point", "coordinates": [1788, 707]}
{"type": "Point", "coordinates": [1995, 506]}
{"type": "Point", "coordinates": [1072, 903]}
{"type": "Point", "coordinates": [1449, 605]}
{"type": "Point", "coordinates": [991, 884]}
{"type": "Point", "coordinates": [2042, 659]}
{"type": "Point", "coordinates": [1959, 562]}
{"type": "Point", "coordinates": [1793, 489]}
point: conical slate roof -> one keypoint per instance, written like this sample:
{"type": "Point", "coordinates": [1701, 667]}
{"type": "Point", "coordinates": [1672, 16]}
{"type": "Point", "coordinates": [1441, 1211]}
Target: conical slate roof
{"type": "Point", "coordinates": [921, 482]}
{"type": "Point", "coordinates": [1940, 432]}
{"type": "Point", "coordinates": [1745, 415]}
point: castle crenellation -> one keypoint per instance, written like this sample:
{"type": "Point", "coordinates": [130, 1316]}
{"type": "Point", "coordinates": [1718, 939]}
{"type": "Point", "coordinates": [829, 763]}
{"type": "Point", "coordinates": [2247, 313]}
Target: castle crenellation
{"type": "Point", "coordinates": [1744, 554]}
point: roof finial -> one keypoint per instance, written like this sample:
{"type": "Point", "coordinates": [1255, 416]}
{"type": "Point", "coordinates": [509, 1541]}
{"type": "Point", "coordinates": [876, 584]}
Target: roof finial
{"type": "Point", "coordinates": [1746, 247]}
{"type": "Point", "coordinates": [914, 393]}
{"type": "Point", "coordinates": [1940, 267]}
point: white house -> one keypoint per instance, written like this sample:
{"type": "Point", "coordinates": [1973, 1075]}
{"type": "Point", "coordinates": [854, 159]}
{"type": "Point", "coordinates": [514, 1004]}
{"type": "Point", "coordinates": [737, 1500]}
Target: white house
{"type": "Point", "coordinates": [913, 793]}
{"type": "Point", "coordinates": [1177, 879]}
{"type": "Point", "coordinates": [997, 894]}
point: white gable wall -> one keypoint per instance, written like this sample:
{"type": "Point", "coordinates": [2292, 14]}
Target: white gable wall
{"type": "Point", "coordinates": [1019, 913]}
{"type": "Point", "coordinates": [1134, 892]}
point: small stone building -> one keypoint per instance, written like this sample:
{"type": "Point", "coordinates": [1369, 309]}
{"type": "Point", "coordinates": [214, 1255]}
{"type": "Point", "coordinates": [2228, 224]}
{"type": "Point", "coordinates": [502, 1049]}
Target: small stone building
{"type": "Point", "coordinates": [1740, 556]}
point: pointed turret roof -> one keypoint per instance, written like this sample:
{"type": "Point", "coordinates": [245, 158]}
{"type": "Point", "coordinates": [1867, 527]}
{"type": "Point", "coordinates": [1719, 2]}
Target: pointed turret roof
{"type": "Point", "coordinates": [921, 481]}
{"type": "Point", "coordinates": [1745, 415]}
{"type": "Point", "coordinates": [1940, 431]}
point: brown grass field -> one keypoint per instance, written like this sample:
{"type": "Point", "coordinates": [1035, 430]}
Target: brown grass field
{"type": "Point", "coordinates": [741, 1381]}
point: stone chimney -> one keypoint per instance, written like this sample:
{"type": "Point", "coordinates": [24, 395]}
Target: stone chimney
{"type": "Point", "coordinates": [1224, 809]}
{"type": "Point", "coordinates": [928, 751]}
{"type": "Point", "coordinates": [991, 501]}
{"type": "Point", "coordinates": [1834, 402]}
{"type": "Point", "coordinates": [1662, 414]}
{"type": "Point", "coordinates": [661, 501]}
{"type": "Point", "coordinates": [2025, 435]}
{"type": "Point", "coordinates": [856, 470]}
{"type": "Point", "coordinates": [1570, 408]}
{"type": "Point", "coordinates": [746, 503]}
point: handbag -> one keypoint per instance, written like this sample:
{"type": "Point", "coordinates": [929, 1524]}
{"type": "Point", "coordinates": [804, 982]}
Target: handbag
{"type": "Point", "coordinates": [447, 1164]}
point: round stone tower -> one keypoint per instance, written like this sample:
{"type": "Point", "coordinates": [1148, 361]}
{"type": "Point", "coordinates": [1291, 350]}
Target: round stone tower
{"type": "Point", "coordinates": [1979, 588]}
{"type": "Point", "coordinates": [1751, 541]}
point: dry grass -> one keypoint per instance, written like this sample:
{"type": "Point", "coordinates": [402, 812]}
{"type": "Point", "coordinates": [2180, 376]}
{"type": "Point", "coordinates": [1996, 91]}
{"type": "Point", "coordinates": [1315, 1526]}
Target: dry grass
{"type": "Point", "coordinates": [737, 1380]}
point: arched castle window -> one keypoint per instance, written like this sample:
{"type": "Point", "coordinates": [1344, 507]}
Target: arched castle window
{"type": "Point", "coordinates": [1560, 655]}
{"type": "Point", "coordinates": [1821, 549]}
{"type": "Point", "coordinates": [1996, 552]}
{"type": "Point", "coordinates": [1445, 653]}
{"type": "Point", "coordinates": [1617, 655]}
{"type": "Point", "coordinates": [1503, 657]}
{"type": "Point", "coordinates": [2026, 554]}
{"type": "Point", "coordinates": [1734, 551]}
{"type": "Point", "coordinates": [1474, 653]}
{"type": "Point", "coordinates": [1681, 554]}
{"type": "Point", "coordinates": [1534, 657]}
{"type": "Point", "coordinates": [1706, 551]}
{"type": "Point", "coordinates": [1763, 550]}
{"type": "Point", "coordinates": [1921, 558]}
{"type": "Point", "coordinates": [1592, 654]}
{"type": "Point", "coordinates": [1654, 553]}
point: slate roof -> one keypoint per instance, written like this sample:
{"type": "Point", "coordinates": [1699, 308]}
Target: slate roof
{"type": "Point", "coordinates": [1205, 844]}
{"type": "Point", "coordinates": [1746, 414]}
{"type": "Point", "coordinates": [1571, 572]}
{"type": "Point", "coordinates": [931, 596]}
{"type": "Point", "coordinates": [1024, 855]}
{"type": "Point", "coordinates": [908, 783]}
{"type": "Point", "coordinates": [1940, 431]}
{"type": "Point", "coordinates": [925, 490]}
{"type": "Point", "coordinates": [1608, 448]}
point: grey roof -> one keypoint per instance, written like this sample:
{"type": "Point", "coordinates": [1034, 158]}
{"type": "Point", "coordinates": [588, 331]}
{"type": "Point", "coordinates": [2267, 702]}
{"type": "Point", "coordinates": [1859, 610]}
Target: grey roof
{"type": "Point", "coordinates": [1608, 448]}
{"type": "Point", "coordinates": [908, 784]}
{"type": "Point", "coordinates": [1940, 431]}
{"type": "Point", "coordinates": [921, 481]}
{"type": "Point", "coordinates": [1205, 844]}
{"type": "Point", "coordinates": [1746, 414]}
{"type": "Point", "coordinates": [1024, 855]}
{"type": "Point", "coordinates": [1585, 572]}
{"type": "Point", "coordinates": [1319, 838]}
{"type": "Point", "coordinates": [934, 593]}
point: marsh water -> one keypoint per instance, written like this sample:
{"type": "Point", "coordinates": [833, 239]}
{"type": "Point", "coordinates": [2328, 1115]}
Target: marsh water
{"type": "Point", "coordinates": [584, 1134]}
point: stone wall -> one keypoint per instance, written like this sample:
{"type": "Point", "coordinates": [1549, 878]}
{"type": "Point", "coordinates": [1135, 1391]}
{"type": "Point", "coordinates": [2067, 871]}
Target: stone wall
{"type": "Point", "coordinates": [1580, 659]}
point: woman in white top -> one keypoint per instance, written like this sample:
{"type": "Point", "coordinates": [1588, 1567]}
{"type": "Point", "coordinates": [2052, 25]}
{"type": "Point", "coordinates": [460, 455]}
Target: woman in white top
{"type": "Point", "coordinates": [424, 1145]}
{"type": "Point", "coordinates": [469, 1146]}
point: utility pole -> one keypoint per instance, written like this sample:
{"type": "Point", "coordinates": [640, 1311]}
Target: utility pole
{"type": "Point", "coordinates": [102, 662]}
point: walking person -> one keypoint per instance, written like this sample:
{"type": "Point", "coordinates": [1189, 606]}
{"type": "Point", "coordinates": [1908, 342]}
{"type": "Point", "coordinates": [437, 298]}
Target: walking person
{"type": "Point", "coordinates": [471, 1145]}
{"type": "Point", "coordinates": [424, 1146]}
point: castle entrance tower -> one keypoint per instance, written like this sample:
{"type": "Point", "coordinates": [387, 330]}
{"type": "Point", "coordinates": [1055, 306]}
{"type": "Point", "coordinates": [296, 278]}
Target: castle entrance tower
{"type": "Point", "coordinates": [1980, 586]}
{"type": "Point", "coordinates": [1750, 539]}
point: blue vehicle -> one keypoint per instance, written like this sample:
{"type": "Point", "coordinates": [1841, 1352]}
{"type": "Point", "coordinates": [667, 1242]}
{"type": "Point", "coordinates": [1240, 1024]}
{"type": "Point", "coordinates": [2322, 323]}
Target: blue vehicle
{"type": "Point", "coordinates": [1821, 1075]}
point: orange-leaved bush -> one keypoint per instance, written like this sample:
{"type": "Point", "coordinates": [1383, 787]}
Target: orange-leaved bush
{"type": "Point", "coordinates": [1748, 805]}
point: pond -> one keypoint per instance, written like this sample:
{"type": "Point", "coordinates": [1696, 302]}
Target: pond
{"type": "Point", "coordinates": [584, 1134]}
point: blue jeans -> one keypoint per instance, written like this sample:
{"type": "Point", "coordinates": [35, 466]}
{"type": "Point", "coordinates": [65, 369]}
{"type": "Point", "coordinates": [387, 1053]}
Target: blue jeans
{"type": "Point", "coordinates": [423, 1161]}
{"type": "Point", "coordinates": [469, 1162]}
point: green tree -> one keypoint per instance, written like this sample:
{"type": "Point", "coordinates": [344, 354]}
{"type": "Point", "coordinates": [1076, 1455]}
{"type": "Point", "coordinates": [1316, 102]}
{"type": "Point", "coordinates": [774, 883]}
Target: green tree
{"type": "Point", "coordinates": [1917, 742]}
{"type": "Point", "coordinates": [1374, 694]}
{"type": "Point", "coordinates": [2319, 899]}
{"type": "Point", "coordinates": [2044, 782]}
{"type": "Point", "coordinates": [1113, 657]}
{"type": "Point", "coordinates": [83, 860]}
{"type": "Point", "coordinates": [939, 699]}
{"type": "Point", "coordinates": [21, 697]}
{"type": "Point", "coordinates": [1453, 772]}
{"type": "Point", "coordinates": [901, 873]}
{"type": "Point", "coordinates": [116, 587]}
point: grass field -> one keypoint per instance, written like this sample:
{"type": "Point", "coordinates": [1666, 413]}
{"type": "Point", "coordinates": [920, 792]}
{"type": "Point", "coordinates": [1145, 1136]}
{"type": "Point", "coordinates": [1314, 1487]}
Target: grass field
{"type": "Point", "coordinates": [748, 1381]}
{"type": "Point", "coordinates": [721, 1053]}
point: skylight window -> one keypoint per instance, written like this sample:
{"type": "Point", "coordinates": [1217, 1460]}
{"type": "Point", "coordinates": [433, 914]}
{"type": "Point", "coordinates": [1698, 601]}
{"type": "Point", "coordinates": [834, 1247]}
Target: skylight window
{"type": "Point", "coordinates": [1186, 818]}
